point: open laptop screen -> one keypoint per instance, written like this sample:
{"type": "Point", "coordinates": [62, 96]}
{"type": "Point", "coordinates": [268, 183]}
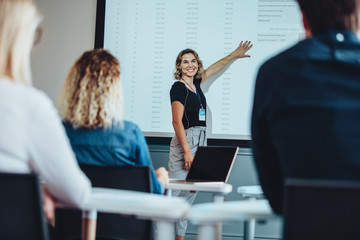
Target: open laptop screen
{"type": "Point", "coordinates": [212, 164]}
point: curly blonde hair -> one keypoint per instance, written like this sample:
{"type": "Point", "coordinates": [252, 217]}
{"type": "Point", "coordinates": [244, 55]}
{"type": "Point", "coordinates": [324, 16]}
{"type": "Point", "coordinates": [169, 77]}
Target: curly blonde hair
{"type": "Point", "coordinates": [91, 96]}
{"type": "Point", "coordinates": [178, 71]}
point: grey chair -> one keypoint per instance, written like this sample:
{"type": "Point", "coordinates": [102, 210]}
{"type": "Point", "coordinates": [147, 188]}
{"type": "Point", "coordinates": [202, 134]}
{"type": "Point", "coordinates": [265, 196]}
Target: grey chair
{"type": "Point", "coordinates": [109, 226]}
{"type": "Point", "coordinates": [321, 209]}
{"type": "Point", "coordinates": [21, 211]}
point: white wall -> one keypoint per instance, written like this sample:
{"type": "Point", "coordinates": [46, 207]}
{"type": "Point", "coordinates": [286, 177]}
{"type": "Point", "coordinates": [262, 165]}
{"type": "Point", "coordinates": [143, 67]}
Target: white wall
{"type": "Point", "coordinates": [69, 30]}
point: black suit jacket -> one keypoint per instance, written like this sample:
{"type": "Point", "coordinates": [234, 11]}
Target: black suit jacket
{"type": "Point", "coordinates": [306, 113]}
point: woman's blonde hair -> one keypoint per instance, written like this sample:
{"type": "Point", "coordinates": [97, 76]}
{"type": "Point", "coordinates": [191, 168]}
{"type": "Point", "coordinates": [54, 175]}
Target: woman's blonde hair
{"type": "Point", "coordinates": [178, 71]}
{"type": "Point", "coordinates": [91, 96]}
{"type": "Point", "coordinates": [19, 20]}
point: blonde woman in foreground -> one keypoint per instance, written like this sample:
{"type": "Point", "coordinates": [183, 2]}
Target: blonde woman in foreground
{"type": "Point", "coordinates": [32, 137]}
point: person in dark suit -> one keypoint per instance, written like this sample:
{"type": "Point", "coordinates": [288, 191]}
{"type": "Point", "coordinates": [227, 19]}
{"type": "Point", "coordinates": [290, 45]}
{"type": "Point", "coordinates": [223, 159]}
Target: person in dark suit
{"type": "Point", "coordinates": [306, 112]}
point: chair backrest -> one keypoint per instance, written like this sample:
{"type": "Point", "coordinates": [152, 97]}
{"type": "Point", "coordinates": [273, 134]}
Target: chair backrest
{"type": "Point", "coordinates": [321, 209]}
{"type": "Point", "coordinates": [135, 178]}
{"type": "Point", "coordinates": [21, 212]}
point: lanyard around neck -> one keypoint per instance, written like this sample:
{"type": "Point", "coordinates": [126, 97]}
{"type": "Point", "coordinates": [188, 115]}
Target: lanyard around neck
{"type": "Point", "coordinates": [191, 87]}
{"type": "Point", "coordinates": [197, 92]}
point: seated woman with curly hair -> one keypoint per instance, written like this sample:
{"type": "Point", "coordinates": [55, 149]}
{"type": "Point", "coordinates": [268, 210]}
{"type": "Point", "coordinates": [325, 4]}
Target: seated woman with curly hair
{"type": "Point", "coordinates": [91, 107]}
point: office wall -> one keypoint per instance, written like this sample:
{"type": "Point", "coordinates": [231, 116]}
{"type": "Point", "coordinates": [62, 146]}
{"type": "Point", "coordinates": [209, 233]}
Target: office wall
{"type": "Point", "coordinates": [69, 28]}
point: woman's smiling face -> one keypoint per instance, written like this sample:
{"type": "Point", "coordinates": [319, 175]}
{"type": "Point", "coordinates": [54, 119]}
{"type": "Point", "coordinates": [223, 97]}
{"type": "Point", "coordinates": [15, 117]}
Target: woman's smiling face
{"type": "Point", "coordinates": [189, 65]}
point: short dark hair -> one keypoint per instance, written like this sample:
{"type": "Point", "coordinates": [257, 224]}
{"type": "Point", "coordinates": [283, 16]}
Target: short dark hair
{"type": "Point", "coordinates": [324, 15]}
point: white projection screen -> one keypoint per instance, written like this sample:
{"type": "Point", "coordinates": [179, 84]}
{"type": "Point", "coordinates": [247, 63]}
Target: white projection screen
{"type": "Point", "coordinates": [147, 35]}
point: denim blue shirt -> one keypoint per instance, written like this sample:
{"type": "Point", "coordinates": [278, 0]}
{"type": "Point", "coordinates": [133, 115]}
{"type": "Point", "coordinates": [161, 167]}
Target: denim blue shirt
{"type": "Point", "coordinates": [113, 146]}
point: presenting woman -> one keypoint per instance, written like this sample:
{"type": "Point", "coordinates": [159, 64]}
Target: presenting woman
{"type": "Point", "coordinates": [188, 105]}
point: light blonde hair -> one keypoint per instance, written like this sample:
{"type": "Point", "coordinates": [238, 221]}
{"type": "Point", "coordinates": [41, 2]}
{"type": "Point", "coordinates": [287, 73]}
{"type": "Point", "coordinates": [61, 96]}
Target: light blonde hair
{"type": "Point", "coordinates": [91, 95]}
{"type": "Point", "coordinates": [178, 71]}
{"type": "Point", "coordinates": [19, 20]}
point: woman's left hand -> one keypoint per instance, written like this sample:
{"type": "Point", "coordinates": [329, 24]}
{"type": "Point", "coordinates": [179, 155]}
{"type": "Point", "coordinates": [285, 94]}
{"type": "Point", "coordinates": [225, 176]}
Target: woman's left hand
{"type": "Point", "coordinates": [162, 175]}
{"type": "Point", "coordinates": [239, 52]}
{"type": "Point", "coordinates": [49, 205]}
{"type": "Point", "coordinates": [242, 49]}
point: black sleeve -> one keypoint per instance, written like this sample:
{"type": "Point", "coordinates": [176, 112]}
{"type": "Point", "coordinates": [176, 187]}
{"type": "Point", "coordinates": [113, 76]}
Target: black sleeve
{"type": "Point", "coordinates": [265, 155]}
{"type": "Point", "coordinates": [178, 92]}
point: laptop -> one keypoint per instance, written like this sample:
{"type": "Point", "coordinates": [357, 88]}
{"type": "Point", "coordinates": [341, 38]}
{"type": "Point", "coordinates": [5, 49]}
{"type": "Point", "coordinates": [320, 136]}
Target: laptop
{"type": "Point", "coordinates": [211, 165]}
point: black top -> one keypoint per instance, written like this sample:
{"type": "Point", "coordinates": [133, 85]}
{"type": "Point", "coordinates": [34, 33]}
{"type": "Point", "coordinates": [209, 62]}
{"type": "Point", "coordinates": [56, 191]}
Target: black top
{"type": "Point", "coordinates": [179, 92]}
{"type": "Point", "coordinates": [306, 115]}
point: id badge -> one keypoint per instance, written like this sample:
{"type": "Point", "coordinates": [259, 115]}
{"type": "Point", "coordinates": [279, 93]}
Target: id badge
{"type": "Point", "coordinates": [201, 114]}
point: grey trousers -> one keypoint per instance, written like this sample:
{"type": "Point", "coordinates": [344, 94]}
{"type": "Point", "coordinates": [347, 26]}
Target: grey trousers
{"type": "Point", "coordinates": [196, 136]}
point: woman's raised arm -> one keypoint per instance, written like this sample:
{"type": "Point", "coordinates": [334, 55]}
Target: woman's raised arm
{"type": "Point", "coordinates": [239, 52]}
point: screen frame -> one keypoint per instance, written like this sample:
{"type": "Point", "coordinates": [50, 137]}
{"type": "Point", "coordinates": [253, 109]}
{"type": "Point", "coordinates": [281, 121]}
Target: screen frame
{"type": "Point", "coordinates": [99, 43]}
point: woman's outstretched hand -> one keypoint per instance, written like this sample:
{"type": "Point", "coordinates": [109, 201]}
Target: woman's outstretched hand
{"type": "Point", "coordinates": [242, 49]}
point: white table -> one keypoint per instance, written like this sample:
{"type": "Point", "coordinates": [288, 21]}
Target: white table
{"type": "Point", "coordinates": [161, 209]}
{"type": "Point", "coordinates": [208, 215]}
{"type": "Point", "coordinates": [253, 192]}
{"type": "Point", "coordinates": [219, 190]}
